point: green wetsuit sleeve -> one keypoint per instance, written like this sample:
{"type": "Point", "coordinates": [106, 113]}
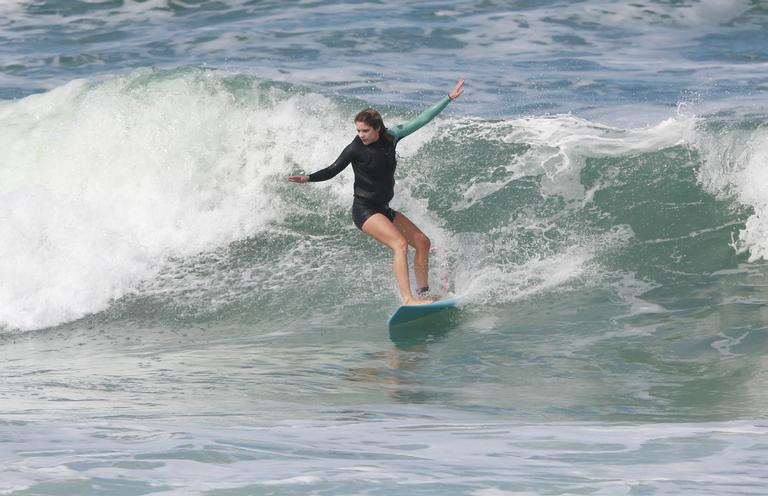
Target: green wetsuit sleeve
{"type": "Point", "coordinates": [401, 131]}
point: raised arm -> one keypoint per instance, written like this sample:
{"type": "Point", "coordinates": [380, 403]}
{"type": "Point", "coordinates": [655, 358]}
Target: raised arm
{"type": "Point", "coordinates": [401, 131]}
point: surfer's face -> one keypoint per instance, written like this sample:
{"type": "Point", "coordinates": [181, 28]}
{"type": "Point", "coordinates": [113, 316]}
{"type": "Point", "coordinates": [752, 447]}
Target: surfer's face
{"type": "Point", "coordinates": [366, 133]}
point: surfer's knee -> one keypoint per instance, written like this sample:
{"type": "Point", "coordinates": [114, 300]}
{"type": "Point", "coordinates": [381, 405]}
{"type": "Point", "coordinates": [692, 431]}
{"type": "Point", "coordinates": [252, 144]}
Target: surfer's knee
{"type": "Point", "coordinates": [399, 245]}
{"type": "Point", "coordinates": [421, 242]}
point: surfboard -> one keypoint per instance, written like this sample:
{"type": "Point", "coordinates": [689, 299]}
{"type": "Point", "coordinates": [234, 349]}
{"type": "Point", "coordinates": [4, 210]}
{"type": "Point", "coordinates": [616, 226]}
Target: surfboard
{"type": "Point", "coordinates": [408, 313]}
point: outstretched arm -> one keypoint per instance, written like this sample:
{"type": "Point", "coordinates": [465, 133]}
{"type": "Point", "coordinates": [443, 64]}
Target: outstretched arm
{"type": "Point", "coordinates": [403, 130]}
{"type": "Point", "coordinates": [332, 170]}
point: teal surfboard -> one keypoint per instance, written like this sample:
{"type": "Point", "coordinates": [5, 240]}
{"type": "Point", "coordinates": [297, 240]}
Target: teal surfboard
{"type": "Point", "coordinates": [409, 313]}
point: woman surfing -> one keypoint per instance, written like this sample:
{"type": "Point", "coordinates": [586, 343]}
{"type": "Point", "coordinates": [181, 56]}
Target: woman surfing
{"type": "Point", "coordinates": [372, 155]}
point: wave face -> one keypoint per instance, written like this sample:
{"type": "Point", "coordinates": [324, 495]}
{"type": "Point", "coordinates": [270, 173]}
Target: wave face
{"type": "Point", "coordinates": [162, 195]}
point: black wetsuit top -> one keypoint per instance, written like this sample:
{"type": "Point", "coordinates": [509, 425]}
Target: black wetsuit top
{"type": "Point", "coordinates": [374, 167]}
{"type": "Point", "coordinates": [375, 164]}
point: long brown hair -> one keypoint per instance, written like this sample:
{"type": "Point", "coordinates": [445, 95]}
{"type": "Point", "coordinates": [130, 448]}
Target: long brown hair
{"type": "Point", "coordinates": [372, 117]}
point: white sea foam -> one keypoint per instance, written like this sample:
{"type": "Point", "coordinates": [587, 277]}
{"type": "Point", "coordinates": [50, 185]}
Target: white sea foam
{"type": "Point", "coordinates": [489, 283]}
{"type": "Point", "coordinates": [560, 144]}
{"type": "Point", "coordinates": [734, 165]}
{"type": "Point", "coordinates": [101, 184]}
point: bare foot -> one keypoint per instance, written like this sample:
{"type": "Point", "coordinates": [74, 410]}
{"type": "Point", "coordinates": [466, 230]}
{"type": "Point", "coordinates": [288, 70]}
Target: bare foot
{"type": "Point", "coordinates": [416, 301]}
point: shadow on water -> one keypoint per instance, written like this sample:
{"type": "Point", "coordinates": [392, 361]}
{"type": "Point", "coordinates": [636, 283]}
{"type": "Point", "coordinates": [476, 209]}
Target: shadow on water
{"type": "Point", "coordinates": [405, 374]}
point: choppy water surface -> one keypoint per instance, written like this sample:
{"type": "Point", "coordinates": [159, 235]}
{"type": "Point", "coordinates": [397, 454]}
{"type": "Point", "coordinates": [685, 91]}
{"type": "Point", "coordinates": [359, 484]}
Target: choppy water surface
{"type": "Point", "coordinates": [177, 318]}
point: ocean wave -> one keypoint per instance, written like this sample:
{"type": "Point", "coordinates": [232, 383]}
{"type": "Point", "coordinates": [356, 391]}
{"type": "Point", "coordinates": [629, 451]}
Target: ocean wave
{"type": "Point", "coordinates": [169, 186]}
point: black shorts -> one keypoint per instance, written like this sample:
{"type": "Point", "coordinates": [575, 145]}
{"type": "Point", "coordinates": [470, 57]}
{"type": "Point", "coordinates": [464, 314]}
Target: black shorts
{"type": "Point", "coordinates": [363, 209]}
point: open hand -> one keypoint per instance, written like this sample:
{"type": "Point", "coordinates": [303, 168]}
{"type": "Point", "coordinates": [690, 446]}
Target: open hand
{"type": "Point", "coordinates": [457, 90]}
{"type": "Point", "coordinates": [298, 179]}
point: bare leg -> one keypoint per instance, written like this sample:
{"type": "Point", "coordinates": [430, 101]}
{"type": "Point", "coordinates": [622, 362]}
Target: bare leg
{"type": "Point", "coordinates": [382, 230]}
{"type": "Point", "coordinates": [420, 243]}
